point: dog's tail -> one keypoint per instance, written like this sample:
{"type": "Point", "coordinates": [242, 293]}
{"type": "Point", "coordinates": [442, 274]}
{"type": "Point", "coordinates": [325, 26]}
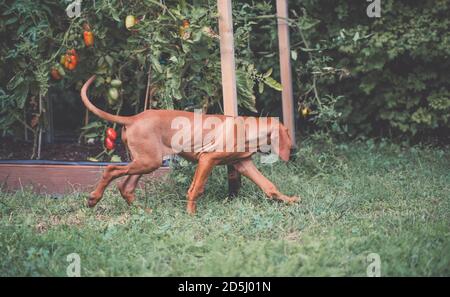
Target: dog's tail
{"type": "Point", "coordinates": [97, 111]}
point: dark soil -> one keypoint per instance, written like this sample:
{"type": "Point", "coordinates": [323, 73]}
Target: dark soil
{"type": "Point", "coordinates": [21, 150]}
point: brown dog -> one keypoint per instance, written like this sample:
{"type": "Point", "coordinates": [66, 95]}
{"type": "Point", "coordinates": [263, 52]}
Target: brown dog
{"type": "Point", "coordinates": [150, 136]}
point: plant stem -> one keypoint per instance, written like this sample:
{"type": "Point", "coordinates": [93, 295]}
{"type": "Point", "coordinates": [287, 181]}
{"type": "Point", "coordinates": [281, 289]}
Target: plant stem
{"type": "Point", "coordinates": [40, 127]}
{"type": "Point", "coordinates": [316, 93]}
{"type": "Point", "coordinates": [99, 155]}
{"type": "Point", "coordinates": [25, 127]}
{"type": "Point", "coordinates": [24, 123]}
{"type": "Point", "coordinates": [147, 92]}
{"type": "Point", "coordinates": [34, 145]}
{"type": "Point", "coordinates": [164, 7]}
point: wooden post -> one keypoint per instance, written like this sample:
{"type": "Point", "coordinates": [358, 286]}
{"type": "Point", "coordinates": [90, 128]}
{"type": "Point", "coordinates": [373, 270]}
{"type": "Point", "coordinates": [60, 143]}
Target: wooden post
{"type": "Point", "coordinates": [227, 57]}
{"type": "Point", "coordinates": [285, 68]}
{"type": "Point", "coordinates": [228, 78]}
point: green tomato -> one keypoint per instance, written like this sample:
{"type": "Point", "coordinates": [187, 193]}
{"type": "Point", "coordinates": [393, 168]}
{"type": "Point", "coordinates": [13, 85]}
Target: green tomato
{"type": "Point", "coordinates": [111, 102]}
{"type": "Point", "coordinates": [116, 83]}
{"type": "Point", "coordinates": [113, 94]}
{"type": "Point", "coordinates": [60, 70]}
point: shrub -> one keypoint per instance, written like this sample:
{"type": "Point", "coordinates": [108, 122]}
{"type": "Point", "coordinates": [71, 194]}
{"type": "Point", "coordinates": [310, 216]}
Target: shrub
{"type": "Point", "coordinates": [397, 64]}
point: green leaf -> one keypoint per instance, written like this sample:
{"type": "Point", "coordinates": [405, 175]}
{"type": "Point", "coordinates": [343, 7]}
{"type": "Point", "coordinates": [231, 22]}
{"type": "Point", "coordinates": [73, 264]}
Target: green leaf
{"type": "Point", "coordinates": [156, 64]}
{"type": "Point", "coordinates": [245, 85]}
{"type": "Point", "coordinates": [109, 60]}
{"type": "Point", "coordinates": [294, 55]}
{"type": "Point", "coordinates": [92, 125]}
{"type": "Point", "coordinates": [174, 59]}
{"type": "Point", "coordinates": [141, 59]}
{"type": "Point", "coordinates": [261, 87]}
{"type": "Point", "coordinates": [91, 135]}
{"type": "Point", "coordinates": [115, 16]}
{"type": "Point", "coordinates": [116, 158]}
{"type": "Point", "coordinates": [268, 73]}
{"type": "Point", "coordinates": [21, 94]}
{"type": "Point", "coordinates": [100, 61]}
{"type": "Point", "coordinates": [197, 36]}
{"type": "Point", "coordinates": [11, 21]}
{"type": "Point", "coordinates": [14, 82]}
{"type": "Point", "coordinates": [273, 83]}
{"type": "Point", "coordinates": [176, 94]}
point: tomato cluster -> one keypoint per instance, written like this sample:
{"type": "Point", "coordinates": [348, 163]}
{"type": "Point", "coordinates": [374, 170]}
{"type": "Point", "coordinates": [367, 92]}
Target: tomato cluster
{"type": "Point", "coordinates": [113, 92]}
{"type": "Point", "coordinates": [111, 136]}
{"type": "Point", "coordinates": [70, 59]}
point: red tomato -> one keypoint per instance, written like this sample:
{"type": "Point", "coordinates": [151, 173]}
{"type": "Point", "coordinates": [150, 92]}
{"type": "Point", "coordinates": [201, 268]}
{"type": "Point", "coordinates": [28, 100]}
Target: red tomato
{"type": "Point", "coordinates": [109, 144]}
{"type": "Point", "coordinates": [111, 134]}
{"type": "Point", "coordinates": [71, 59]}
{"type": "Point", "coordinates": [88, 37]}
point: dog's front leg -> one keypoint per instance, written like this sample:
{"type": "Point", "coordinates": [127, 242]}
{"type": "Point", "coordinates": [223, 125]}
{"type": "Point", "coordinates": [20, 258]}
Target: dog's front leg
{"type": "Point", "coordinates": [248, 169]}
{"type": "Point", "coordinates": [204, 168]}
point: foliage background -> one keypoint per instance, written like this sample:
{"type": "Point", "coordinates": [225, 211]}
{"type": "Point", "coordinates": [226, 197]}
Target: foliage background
{"type": "Point", "coordinates": [360, 76]}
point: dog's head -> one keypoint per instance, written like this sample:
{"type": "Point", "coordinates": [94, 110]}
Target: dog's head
{"type": "Point", "coordinates": [281, 141]}
{"type": "Point", "coordinates": [285, 143]}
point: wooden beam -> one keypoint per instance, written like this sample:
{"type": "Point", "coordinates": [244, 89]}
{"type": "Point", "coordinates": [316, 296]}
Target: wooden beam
{"type": "Point", "coordinates": [61, 179]}
{"type": "Point", "coordinates": [228, 67]}
{"type": "Point", "coordinates": [285, 68]}
{"type": "Point", "coordinates": [227, 57]}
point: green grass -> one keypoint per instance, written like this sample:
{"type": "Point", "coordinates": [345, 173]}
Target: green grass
{"type": "Point", "coordinates": [358, 198]}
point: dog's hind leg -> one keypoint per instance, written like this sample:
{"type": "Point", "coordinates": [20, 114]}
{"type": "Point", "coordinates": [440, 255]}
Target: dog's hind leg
{"type": "Point", "coordinates": [128, 186]}
{"type": "Point", "coordinates": [248, 169]}
{"type": "Point", "coordinates": [112, 172]}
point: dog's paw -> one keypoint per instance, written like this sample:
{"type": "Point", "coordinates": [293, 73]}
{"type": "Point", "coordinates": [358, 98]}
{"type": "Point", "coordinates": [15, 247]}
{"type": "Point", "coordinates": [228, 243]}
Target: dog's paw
{"type": "Point", "coordinates": [293, 199]}
{"type": "Point", "coordinates": [191, 209]}
{"type": "Point", "coordinates": [92, 201]}
{"type": "Point", "coordinates": [290, 200]}
{"type": "Point", "coordinates": [129, 198]}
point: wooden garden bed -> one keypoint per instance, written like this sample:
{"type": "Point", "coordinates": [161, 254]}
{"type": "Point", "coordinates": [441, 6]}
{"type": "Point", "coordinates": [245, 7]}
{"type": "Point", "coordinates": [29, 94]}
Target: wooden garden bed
{"type": "Point", "coordinates": [56, 177]}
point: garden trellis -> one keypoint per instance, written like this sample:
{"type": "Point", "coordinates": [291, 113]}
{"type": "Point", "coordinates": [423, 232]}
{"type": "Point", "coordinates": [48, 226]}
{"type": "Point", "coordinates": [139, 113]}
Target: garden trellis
{"type": "Point", "coordinates": [229, 72]}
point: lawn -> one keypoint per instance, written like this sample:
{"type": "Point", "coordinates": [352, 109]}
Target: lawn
{"type": "Point", "coordinates": [357, 198]}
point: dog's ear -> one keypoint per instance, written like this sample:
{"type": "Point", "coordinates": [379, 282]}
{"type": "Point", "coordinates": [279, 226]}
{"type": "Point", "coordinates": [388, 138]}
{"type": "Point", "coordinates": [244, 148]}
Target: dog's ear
{"type": "Point", "coordinates": [285, 143]}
